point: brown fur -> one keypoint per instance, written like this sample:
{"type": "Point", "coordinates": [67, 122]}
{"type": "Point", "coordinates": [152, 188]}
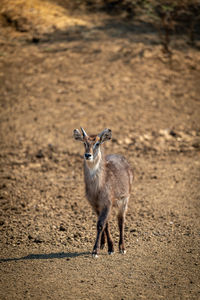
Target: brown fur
{"type": "Point", "coordinates": [108, 182]}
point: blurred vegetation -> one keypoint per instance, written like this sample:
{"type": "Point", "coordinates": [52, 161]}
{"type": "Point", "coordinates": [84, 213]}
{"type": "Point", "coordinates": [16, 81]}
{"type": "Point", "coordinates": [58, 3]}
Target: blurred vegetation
{"type": "Point", "coordinates": [174, 16]}
{"type": "Point", "coordinates": [169, 17]}
{"type": "Point", "coordinates": [36, 16]}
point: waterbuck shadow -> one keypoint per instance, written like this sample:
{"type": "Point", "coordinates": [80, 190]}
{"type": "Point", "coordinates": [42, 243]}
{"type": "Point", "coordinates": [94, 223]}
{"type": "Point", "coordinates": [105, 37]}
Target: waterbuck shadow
{"type": "Point", "coordinates": [47, 256]}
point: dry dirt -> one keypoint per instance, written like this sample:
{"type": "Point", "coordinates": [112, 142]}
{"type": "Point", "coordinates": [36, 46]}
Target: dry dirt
{"type": "Point", "coordinates": [111, 74]}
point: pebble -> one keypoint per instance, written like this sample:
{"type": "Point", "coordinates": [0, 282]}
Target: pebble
{"type": "Point", "coordinates": [127, 140]}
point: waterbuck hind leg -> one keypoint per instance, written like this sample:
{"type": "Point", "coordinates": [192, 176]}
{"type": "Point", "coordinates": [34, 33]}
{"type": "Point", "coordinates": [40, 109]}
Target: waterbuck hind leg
{"type": "Point", "coordinates": [103, 239]}
{"type": "Point", "coordinates": [121, 221]}
{"type": "Point", "coordinates": [106, 234]}
{"type": "Point", "coordinates": [109, 240]}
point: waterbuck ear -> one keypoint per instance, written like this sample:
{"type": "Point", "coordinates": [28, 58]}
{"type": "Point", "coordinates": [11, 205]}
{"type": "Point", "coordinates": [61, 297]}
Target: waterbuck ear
{"type": "Point", "coordinates": [77, 135]}
{"type": "Point", "coordinates": [105, 135]}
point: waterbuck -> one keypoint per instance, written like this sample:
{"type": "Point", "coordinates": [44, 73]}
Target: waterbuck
{"type": "Point", "coordinates": [107, 183]}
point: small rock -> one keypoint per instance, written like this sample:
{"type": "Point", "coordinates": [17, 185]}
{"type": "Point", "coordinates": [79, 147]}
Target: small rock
{"type": "Point", "coordinates": [141, 138]}
{"type": "Point", "coordinates": [173, 133]}
{"type": "Point", "coordinates": [39, 154]}
{"type": "Point", "coordinates": [147, 137]}
{"type": "Point", "coordinates": [196, 144]}
{"type": "Point", "coordinates": [1, 222]}
{"type": "Point", "coordinates": [154, 177]}
{"type": "Point", "coordinates": [147, 53]}
{"type": "Point", "coordinates": [62, 228]}
{"type": "Point", "coordinates": [38, 240]}
{"type": "Point", "coordinates": [133, 230]}
{"type": "Point", "coordinates": [164, 132]}
{"type": "Point", "coordinates": [127, 140]}
{"type": "Point", "coordinates": [30, 237]}
{"type": "Point", "coordinates": [193, 133]}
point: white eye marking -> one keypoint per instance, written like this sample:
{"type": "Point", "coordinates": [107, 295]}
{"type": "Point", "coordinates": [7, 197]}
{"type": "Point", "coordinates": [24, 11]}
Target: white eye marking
{"type": "Point", "coordinates": [96, 145]}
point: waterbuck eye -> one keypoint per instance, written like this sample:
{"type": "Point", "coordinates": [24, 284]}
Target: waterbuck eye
{"type": "Point", "coordinates": [97, 144]}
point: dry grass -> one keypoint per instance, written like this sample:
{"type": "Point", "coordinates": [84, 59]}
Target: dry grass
{"type": "Point", "coordinates": [37, 15]}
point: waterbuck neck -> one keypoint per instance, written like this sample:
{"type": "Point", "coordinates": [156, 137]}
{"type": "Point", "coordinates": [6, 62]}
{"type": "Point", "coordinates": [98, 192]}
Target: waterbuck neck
{"type": "Point", "coordinates": [94, 176]}
{"type": "Point", "coordinates": [95, 167]}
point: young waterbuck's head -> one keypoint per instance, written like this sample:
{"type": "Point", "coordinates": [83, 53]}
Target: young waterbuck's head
{"type": "Point", "coordinates": [92, 143]}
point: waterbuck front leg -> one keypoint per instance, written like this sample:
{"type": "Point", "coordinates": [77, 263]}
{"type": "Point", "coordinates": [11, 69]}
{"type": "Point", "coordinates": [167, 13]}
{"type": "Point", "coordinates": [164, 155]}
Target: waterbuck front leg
{"type": "Point", "coordinates": [101, 226]}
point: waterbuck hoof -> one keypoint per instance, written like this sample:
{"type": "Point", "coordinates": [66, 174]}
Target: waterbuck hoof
{"type": "Point", "coordinates": [111, 252]}
{"type": "Point", "coordinates": [122, 251]}
{"type": "Point", "coordinates": [94, 254]}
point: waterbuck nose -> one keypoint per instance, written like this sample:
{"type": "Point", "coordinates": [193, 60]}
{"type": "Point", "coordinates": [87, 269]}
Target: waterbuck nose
{"type": "Point", "coordinates": [88, 155]}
